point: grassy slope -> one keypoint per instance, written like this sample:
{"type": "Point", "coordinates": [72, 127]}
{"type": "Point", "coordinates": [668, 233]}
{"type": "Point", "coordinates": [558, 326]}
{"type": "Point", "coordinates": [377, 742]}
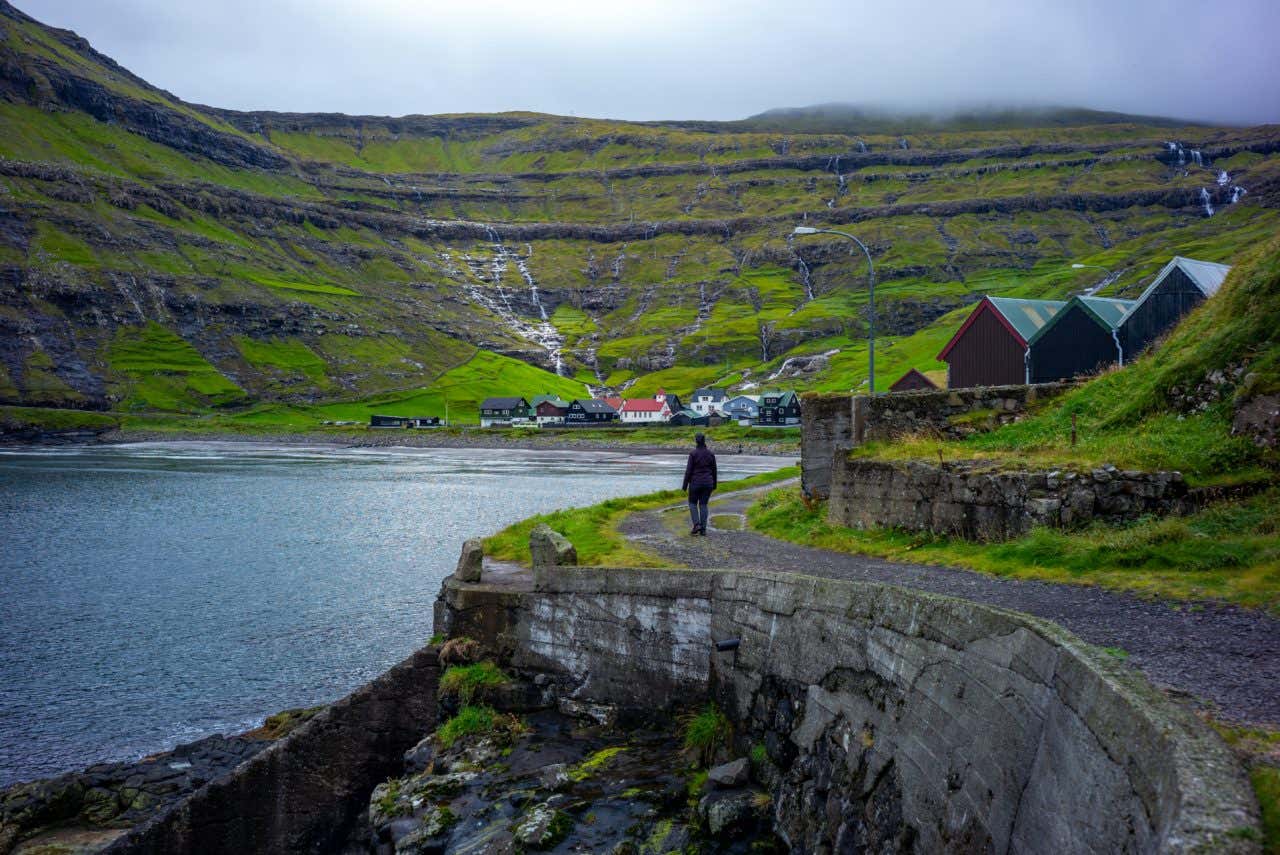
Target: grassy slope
{"type": "Point", "coordinates": [391, 295]}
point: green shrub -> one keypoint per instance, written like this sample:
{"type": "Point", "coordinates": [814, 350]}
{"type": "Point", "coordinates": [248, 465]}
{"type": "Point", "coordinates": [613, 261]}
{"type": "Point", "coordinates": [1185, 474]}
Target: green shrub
{"type": "Point", "coordinates": [474, 721]}
{"type": "Point", "coordinates": [706, 732]}
{"type": "Point", "coordinates": [465, 682]}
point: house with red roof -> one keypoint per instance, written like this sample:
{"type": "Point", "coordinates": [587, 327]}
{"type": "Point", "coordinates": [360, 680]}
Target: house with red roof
{"type": "Point", "coordinates": [638, 411]}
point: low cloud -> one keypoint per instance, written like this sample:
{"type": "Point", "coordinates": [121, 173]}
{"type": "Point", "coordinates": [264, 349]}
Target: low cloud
{"type": "Point", "coordinates": [705, 59]}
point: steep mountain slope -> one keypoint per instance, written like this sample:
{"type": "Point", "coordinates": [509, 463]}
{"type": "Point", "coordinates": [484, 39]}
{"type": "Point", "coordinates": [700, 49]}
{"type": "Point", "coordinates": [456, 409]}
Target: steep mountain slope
{"type": "Point", "coordinates": [158, 255]}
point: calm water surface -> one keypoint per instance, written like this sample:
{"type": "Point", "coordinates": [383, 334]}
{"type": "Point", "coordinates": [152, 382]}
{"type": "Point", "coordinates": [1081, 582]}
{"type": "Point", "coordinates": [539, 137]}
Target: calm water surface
{"type": "Point", "coordinates": [155, 593]}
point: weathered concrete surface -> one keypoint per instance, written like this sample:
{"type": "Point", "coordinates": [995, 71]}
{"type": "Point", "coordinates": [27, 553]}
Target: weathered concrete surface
{"type": "Point", "coordinates": [305, 792]}
{"type": "Point", "coordinates": [892, 718]}
{"type": "Point", "coordinates": [831, 423]}
{"type": "Point", "coordinates": [981, 502]}
{"type": "Point", "coordinates": [826, 424]}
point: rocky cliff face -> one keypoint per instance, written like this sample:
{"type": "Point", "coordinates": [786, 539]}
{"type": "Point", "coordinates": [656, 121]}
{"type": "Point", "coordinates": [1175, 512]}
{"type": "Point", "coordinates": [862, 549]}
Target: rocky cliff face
{"type": "Point", "coordinates": [306, 257]}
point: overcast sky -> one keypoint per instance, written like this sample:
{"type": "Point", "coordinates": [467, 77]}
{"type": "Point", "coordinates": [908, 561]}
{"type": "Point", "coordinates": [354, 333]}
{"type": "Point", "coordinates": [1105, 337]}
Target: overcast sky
{"type": "Point", "coordinates": [705, 59]}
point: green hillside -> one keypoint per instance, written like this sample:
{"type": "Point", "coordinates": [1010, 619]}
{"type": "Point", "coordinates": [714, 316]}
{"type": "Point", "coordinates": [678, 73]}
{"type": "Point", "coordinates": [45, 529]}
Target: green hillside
{"type": "Point", "coordinates": [161, 257]}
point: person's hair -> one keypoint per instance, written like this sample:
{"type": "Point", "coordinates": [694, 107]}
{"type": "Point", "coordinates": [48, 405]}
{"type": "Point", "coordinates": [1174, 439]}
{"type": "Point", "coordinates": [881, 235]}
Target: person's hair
{"type": "Point", "coordinates": [700, 439]}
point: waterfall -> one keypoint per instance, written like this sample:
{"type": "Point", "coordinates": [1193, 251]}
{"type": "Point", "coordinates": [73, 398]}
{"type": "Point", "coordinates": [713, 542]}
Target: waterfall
{"type": "Point", "coordinates": [1206, 202]}
{"type": "Point", "coordinates": [805, 277]}
{"type": "Point", "coordinates": [1223, 178]}
{"type": "Point", "coordinates": [544, 334]}
{"type": "Point", "coordinates": [1236, 192]}
{"type": "Point", "coordinates": [903, 144]}
{"type": "Point", "coordinates": [862, 147]}
{"type": "Point", "coordinates": [1196, 158]}
{"type": "Point", "coordinates": [616, 267]}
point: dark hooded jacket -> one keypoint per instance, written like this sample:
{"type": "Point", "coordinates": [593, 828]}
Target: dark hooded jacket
{"type": "Point", "coordinates": [701, 469]}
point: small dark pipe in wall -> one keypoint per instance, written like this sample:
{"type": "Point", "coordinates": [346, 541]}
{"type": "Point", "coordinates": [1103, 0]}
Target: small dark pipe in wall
{"type": "Point", "coordinates": [728, 645]}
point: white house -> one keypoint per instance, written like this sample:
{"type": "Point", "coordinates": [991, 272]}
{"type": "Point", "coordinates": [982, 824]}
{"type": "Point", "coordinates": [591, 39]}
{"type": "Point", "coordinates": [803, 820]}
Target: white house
{"type": "Point", "coordinates": [636, 411]}
{"type": "Point", "coordinates": [706, 402]}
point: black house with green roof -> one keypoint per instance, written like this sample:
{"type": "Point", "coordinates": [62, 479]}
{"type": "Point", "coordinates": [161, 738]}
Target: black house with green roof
{"type": "Point", "coordinates": [1082, 338]}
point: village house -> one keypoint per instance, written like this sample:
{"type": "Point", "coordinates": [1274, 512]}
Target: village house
{"type": "Point", "coordinates": [588, 412]}
{"type": "Point", "coordinates": [912, 381]}
{"type": "Point", "coordinates": [743, 408]}
{"type": "Point", "coordinates": [1081, 338]}
{"type": "Point", "coordinates": [1179, 287]}
{"type": "Point", "coordinates": [778, 409]}
{"type": "Point", "coordinates": [636, 411]}
{"type": "Point", "coordinates": [504, 411]}
{"type": "Point", "coordinates": [990, 348]}
{"type": "Point", "coordinates": [671, 399]}
{"type": "Point", "coordinates": [550, 411]}
{"type": "Point", "coordinates": [706, 401]}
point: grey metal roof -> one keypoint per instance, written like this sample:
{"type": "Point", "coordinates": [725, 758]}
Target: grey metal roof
{"type": "Point", "coordinates": [1208, 276]}
{"type": "Point", "coordinates": [592, 405]}
{"type": "Point", "coordinates": [713, 394]}
{"type": "Point", "coordinates": [501, 403]}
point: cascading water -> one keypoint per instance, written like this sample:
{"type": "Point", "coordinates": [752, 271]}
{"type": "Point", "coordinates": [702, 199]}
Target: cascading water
{"type": "Point", "coordinates": [805, 277]}
{"type": "Point", "coordinates": [1206, 202]}
{"type": "Point", "coordinates": [1236, 192]}
{"type": "Point", "coordinates": [544, 334]}
{"type": "Point", "coordinates": [1223, 178]}
{"type": "Point", "coordinates": [862, 147]}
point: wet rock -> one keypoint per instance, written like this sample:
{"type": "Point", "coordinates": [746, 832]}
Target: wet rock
{"type": "Point", "coordinates": [554, 777]}
{"type": "Point", "coordinates": [729, 775]}
{"type": "Point", "coordinates": [728, 812]}
{"type": "Point", "coordinates": [470, 562]}
{"type": "Point", "coordinates": [421, 757]}
{"type": "Point", "coordinates": [550, 548]}
{"type": "Point", "coordinates": [542, 827]}
{"type": "Point", "coordinates": [602, 714]}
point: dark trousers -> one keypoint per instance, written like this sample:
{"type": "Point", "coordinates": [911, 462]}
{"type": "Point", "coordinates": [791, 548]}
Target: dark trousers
{"type": "Point", "coordinates": [699, 495]}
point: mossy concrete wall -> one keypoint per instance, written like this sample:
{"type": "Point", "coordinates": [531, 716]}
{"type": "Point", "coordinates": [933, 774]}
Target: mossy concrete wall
{"type": "Point", "coordinates": [306, 792]}
{"type": "Point", "coordinates": [891, 719]}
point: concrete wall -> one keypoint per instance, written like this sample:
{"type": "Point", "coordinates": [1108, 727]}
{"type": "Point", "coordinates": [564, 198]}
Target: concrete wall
{"type": "Point", "coordinates": [893, 720]}
{"type": "Point", "coordinates": [980, 502]}
{"type": "Point", "coordinates": [834, 422]}
{"type": "Point", "coordinates": [305, 793]}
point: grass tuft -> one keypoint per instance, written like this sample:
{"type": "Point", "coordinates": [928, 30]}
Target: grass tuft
{"type": "Point", "coordinates": [467, 682]}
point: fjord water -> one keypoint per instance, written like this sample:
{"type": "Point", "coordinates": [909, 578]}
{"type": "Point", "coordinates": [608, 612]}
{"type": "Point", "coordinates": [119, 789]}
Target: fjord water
{"type": "Point", "coordinates": [159, 592]}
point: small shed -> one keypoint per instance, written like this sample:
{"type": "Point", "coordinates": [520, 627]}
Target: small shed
{"type": "Point", "coordinates": [990, 347]}
{"type": "Point", "coordinates": [424, 422]}
{"type": "Point", "coordinates": [686, 418]}
{"type": "Point", "coordinates": [912, 381]}
{"type": "Point", "coordinates": [387, 421]}
{"type": "Point", "coordinates": [1082, 338]}
{"type": "Point", "coordinates": [1179, 287]}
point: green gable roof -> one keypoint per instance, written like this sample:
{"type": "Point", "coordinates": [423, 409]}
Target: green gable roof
{"type": "Point", "coordinates": [1105, 311]}
{"type": "Point", "coordinates": [1028, 317]}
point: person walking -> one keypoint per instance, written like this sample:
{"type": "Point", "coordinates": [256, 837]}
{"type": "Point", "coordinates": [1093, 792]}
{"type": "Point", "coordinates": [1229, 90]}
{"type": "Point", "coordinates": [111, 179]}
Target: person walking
{"type": "Point", "coordinates": [700, 479]}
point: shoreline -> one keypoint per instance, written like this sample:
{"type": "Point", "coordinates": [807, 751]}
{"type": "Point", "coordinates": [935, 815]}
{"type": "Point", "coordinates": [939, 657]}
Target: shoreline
{"type": "Point", "coordinates": [558, 441]}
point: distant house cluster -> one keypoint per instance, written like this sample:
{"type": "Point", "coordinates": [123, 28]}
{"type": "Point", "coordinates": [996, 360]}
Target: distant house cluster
{"type": "Point", "coordinates": [706, 407]}
{"type": "Point", "coordinates": [1008, 341]}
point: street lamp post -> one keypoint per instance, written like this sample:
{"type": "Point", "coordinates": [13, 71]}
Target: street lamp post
{"type": "Point", "coordinates": [871, 283]}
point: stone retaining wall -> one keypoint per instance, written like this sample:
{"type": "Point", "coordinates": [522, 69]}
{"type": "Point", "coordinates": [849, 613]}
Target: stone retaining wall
{"type": "Point", "coordinates": [979, 502]}
{"type": "Point", "coordinates": [834, 422]}
{"type": "Point", "coordinates": [891, 719]}
{"type": "Point", "coordinates": [306, 792]}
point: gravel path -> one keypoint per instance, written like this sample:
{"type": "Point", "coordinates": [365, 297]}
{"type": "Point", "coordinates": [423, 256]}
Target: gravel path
{"type": "Point", "coordinates": [1221, 658]}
